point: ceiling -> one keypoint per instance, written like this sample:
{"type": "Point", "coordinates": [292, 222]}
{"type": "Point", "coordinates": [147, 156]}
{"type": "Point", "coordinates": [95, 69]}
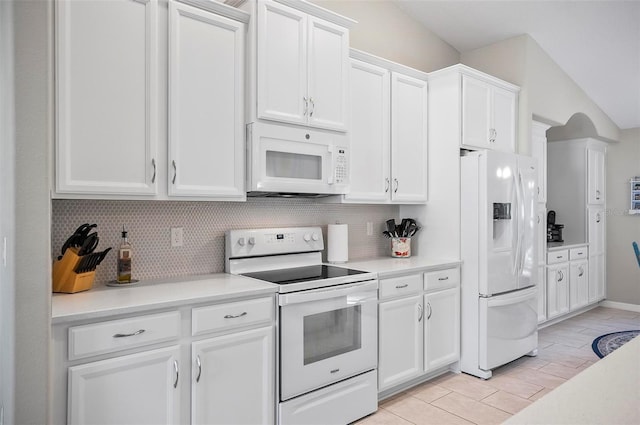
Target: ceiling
{"type": "Point", "coordinates": [597, 43]}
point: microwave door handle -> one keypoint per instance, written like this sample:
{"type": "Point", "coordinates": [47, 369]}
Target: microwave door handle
{"type": "Point", "coordinates": [332, 152]}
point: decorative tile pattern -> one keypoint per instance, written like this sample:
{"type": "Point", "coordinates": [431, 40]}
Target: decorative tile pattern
{"type": "Point", "coordinates": [204, 224]}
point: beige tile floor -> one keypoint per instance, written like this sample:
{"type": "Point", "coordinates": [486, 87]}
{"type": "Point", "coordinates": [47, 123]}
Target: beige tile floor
{"type": "Point", "coordinates": [564, 351]}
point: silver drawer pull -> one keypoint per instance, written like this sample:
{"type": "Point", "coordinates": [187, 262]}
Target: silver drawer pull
{"type": "Point", "coordinates": [199, 368]}
{"type": "Point", "coordinates": [175, 368]}
{"type": "Point", "coordinates": [138, 332]}
{"type": "Point", "coordinates": [230, 316]}
{"type": "Point", "coordinates": [559, 256]}
{"type": "Point", "coordinates": [444, 278]}
{"type": "Point", "coordinates": [335, 371]}
{"type": "Point", "coordinates": [580, 253]}
{"type": "Point", "coordinates": [402, 286]}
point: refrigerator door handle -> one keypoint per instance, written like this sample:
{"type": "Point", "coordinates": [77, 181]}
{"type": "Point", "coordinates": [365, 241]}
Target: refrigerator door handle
{"type": "Point", "coordinates": [513, 298]}
{"type": "Point", "coordinates": [516, 260]}
{"type": "Point", "coordinates": [521, 224]}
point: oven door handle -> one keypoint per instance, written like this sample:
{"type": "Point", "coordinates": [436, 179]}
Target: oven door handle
{"type": "Point", "coordinates": [366, 291]}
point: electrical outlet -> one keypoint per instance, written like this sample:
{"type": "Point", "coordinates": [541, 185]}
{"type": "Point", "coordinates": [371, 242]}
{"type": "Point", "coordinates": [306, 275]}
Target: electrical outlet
{"type": "Point", "coordinates": [369, 228]}
{"type": "Point", "coordinates": [177, 235]}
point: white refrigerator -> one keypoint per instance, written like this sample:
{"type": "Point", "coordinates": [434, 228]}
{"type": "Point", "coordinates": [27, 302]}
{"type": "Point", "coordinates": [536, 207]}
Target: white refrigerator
{"type": "Point", "coordinates": [499, 260]}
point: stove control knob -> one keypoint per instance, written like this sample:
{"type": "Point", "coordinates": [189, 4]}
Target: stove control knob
{"type": "Point", "coordinates": [241, 241]}
{"type": "Point", "coordinates": [307, 237]}
{"type": "Point", "coordinates": [252, 241]}
{"type": "Point", "coordinates": [315, 237]}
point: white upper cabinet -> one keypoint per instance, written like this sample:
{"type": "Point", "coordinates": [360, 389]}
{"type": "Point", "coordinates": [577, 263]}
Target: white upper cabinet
{"type": "Point", "coordinates": [302, 67]}
{"type": "Point", "coordinates": [369, 133]}
{"type": "Point", "coordinates": [106, 69]}
{"type": "Point", "coordinates": [388, 132]}
{"type": "Point", "coordinates": [595, 176]}
{"type": "Point", "coordinates": [408, 139]}
{"type": "Point", "coordinates": [206, 104]}
{"type": "Point", "coordinates": [539, 151]}
{"type": "Point", "coordinates": [488, 113]}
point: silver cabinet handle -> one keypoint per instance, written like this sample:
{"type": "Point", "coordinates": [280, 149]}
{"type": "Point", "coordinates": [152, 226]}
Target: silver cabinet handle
{"type": "Point", "coordinates": [598, 218]}
{"type": "Point", "coordinates": [306, 106]}
{"type": "Point", "coordinates": [538, 190]}
{"type": "Point", "coordinates": [397, 184]}
{"type": "Point", "coordinates": [421, 313]}
{"type": "Point", "coordinates": [334, 371]}
{"type": "Point", "coordinates": [538, 218]}
{"type": "Point", "coordinates": [430, 311]}
{"type": "Point", "coordinates": [581, 270]}
{"type": "Point", "coordinates": [229, 316]}
{"type": "Point", "coordinates": [199, 368]}
{"type": "Point", "coordinates": [402, 286]}
{"type": "Point", "coordinates": [444, 278]}
{"type": "Point", "coordinates": [313, 106]}
{"type": "Point", "coordinates": [175, 367]}
{"type": "Point", "coordinates": [138, 332]}
{"type": "Point", "coordinates": [386, 189]}
{"type": "Point", "coordinates": [560, 276]}
{"type": "Point", "coordinates": [153, 163]}
{"type": "Point", "coordinates": [597, 194]}
{"type": "Point", "coordinates": [175, 172]}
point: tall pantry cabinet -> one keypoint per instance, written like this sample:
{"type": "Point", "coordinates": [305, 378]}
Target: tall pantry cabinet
{"type": "Point", "coordinates": [578, 168]}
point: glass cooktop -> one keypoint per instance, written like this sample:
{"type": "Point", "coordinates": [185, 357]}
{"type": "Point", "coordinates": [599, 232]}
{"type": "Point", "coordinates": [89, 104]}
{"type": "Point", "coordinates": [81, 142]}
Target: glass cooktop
{"type": "Point", "coordinates": [302, 274]}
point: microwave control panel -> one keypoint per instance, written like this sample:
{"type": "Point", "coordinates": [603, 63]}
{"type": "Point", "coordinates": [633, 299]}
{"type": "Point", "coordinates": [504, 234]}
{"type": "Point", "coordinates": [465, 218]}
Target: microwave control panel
{"type": "Point", "coordinates": [341, 166]}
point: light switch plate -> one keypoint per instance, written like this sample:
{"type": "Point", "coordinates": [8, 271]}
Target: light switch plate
{"type": "Point", "coordinates": [177, 235]}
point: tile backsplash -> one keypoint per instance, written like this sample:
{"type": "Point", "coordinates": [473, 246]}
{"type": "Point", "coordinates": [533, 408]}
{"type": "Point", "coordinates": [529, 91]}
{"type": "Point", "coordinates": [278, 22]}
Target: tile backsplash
{"type": "Point", "coordinates": [204, 224]}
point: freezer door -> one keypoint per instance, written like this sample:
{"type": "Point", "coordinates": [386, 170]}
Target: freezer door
{"type": "Point", "coordinates": [498, 219]}
{"type": "Point", "coordinates": [527, 221]}
{"type": "Point", "coordinates": [508, 327]}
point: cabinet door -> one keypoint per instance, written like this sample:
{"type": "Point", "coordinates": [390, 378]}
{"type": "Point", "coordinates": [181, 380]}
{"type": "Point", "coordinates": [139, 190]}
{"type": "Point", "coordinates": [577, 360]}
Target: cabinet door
{"type": "Point", "coordinates": [442, 328]}
{"type": "Point", "coordinates": [206, 112]}
{"type": "Point", "coordinates": [542, 294]}
{"type": "Point", "coordinates": [408, 139]}
{"type": "Point", "coordinates": [282, 63]}
{"type": "Point", "coordinates": [401, 341]}
{"type": "Point", "coordinates": [328, 70]}
{"type": "Point", "coordinates": [369, 132]}
{"type": "Point", "coordinates": [141, 388]}
{"type": "Point", "coordinates": [233, 379]}
{"type": "Point", "coordinates": [578, 284]}
{"type": "Point", "coordinates": [597, 253]}
{"type": "Point", "coordinates": [539, 151]}
{"type": "Point", "coordinates": [541, 223]}
{"type": "Point", "coordinates": [476, 100]}
{"type": "Point", "coordinates": [106, 97]}
{"type": "Point", "coordinates": [557, 290]}
{"type": "Point", "coordinates": [503, 113]}
{"type": "Point", "coordinates": [595, 180]}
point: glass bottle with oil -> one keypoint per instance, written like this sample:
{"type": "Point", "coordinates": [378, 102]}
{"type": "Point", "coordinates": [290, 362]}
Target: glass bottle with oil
{"type": "Point", "coordinates": [125, 254]}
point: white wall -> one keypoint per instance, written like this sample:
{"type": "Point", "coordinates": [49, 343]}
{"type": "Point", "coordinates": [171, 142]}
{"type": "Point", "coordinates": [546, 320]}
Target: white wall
{"type": "Point", "coordinates": [623, 272]}
{"type": "Point", "coordinates": [7, 279]}
{"type": "Point", "coordinates": [33, 111]}
{"type": "Point", "coordinates": [386, 31]}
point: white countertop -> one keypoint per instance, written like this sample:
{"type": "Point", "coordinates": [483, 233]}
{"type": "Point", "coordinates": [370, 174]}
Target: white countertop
{"type": "Point", "coordinates": [386, 266]}
{"type": "Point", "coordinates": [556, 246]}
{"type": "Point", "coordinates": [608, 392]}
{"type": "Point", "coordinates": [102, 300]}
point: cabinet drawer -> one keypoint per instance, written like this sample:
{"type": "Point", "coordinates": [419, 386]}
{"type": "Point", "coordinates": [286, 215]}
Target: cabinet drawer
{"type": "Point", "coordinates": [399, 286]}
{"type": "Point", "coordinates": [579, 253]}
{"type": "Point", "coordinates": [556, 257]}
{"type": "Point", "coordinates": [219, 317]}
{"type": "Point", "coordinates": [441, 279]}
{"type": "Point", "coordinates": [116, 335]}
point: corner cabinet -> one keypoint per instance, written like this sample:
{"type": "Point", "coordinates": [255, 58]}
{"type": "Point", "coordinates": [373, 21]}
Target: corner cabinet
{"type": "Point", "coordinates": [388, 130]}
{"type": "Point", "coordinates": [114, 82]}
{"type": "Point", "coordinates": [302, 66]}
{"type": "Point", "coordinates": [106, 97]}
{"type": "Point", "coordinates": [419, 326]}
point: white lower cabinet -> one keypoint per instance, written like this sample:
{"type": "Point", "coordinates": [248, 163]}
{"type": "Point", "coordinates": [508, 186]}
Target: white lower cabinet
{"type": "Point", "coordinates": [233, 379]}
{"type": "Point", "coordinates": [142, 374]}
{"type": "Point", "coordinates": [557, 290]}
{"type": "Point", "coordinates": [419, 327]}
{"type": "Point", "coordinates": [141, 388]}
{"type": "Point", "coordinates": [578, 284]}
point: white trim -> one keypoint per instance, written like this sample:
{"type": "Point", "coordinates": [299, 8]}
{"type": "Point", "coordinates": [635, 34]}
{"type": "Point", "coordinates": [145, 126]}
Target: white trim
{"type": "Point", "coordinates": [620, 306]}
{"type": "Point", "coordinates": [225, 9]}
{"type": "Point", "coordinates": [466, 70]}
{"type": "Point", "coordinates": [320, 12]}
{"type": "Point", "coordinates": [387, 64]}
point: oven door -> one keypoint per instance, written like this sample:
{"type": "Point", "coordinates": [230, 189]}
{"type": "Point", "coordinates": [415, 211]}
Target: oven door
{"type": "Point", "coordinates": [327, 335]}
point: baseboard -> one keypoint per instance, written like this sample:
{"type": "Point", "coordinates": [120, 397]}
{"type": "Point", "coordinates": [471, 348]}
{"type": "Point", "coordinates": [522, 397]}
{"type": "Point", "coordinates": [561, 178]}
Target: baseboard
{"type": "Point", "coordinates": [620, 306]}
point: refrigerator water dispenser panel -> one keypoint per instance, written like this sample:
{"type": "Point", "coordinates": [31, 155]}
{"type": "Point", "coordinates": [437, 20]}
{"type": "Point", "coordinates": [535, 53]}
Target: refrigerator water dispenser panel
{"type": "Point", "coordinates": [502, 210]}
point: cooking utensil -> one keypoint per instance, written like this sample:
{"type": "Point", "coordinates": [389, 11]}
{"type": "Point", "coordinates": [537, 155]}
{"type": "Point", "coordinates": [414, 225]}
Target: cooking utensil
{"type": "Point", "coordinates": [391, 227]}
{"type": "Point", "coordinates": [78, 237]}
{"type": "Point", "coordinates": [89, 244]}
{"type": "Point", "coordinates": [89, 262]}
{"type": "Point", "coordinates": [387, 234]}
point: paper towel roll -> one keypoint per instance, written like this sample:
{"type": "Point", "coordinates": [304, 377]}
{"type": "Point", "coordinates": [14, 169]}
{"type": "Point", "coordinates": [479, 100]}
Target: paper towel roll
{"type": "Point", "coordinates": [338, 243]}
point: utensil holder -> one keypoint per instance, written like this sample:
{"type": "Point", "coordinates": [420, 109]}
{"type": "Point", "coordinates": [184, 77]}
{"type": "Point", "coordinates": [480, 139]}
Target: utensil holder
{"type": "Point", "coordinates": [65, 279]}
{"type": "Point", "coordinates": [401, 247]}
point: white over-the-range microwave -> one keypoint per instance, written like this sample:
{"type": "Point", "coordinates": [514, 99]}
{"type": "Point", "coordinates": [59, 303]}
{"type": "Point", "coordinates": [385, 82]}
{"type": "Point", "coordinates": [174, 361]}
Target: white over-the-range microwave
{"type": "Point", "coordinates": [292, 160]}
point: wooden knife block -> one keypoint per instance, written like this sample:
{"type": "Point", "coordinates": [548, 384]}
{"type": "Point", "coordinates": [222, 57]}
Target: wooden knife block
{"type": "Point", "coordinates": [65, 279]}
